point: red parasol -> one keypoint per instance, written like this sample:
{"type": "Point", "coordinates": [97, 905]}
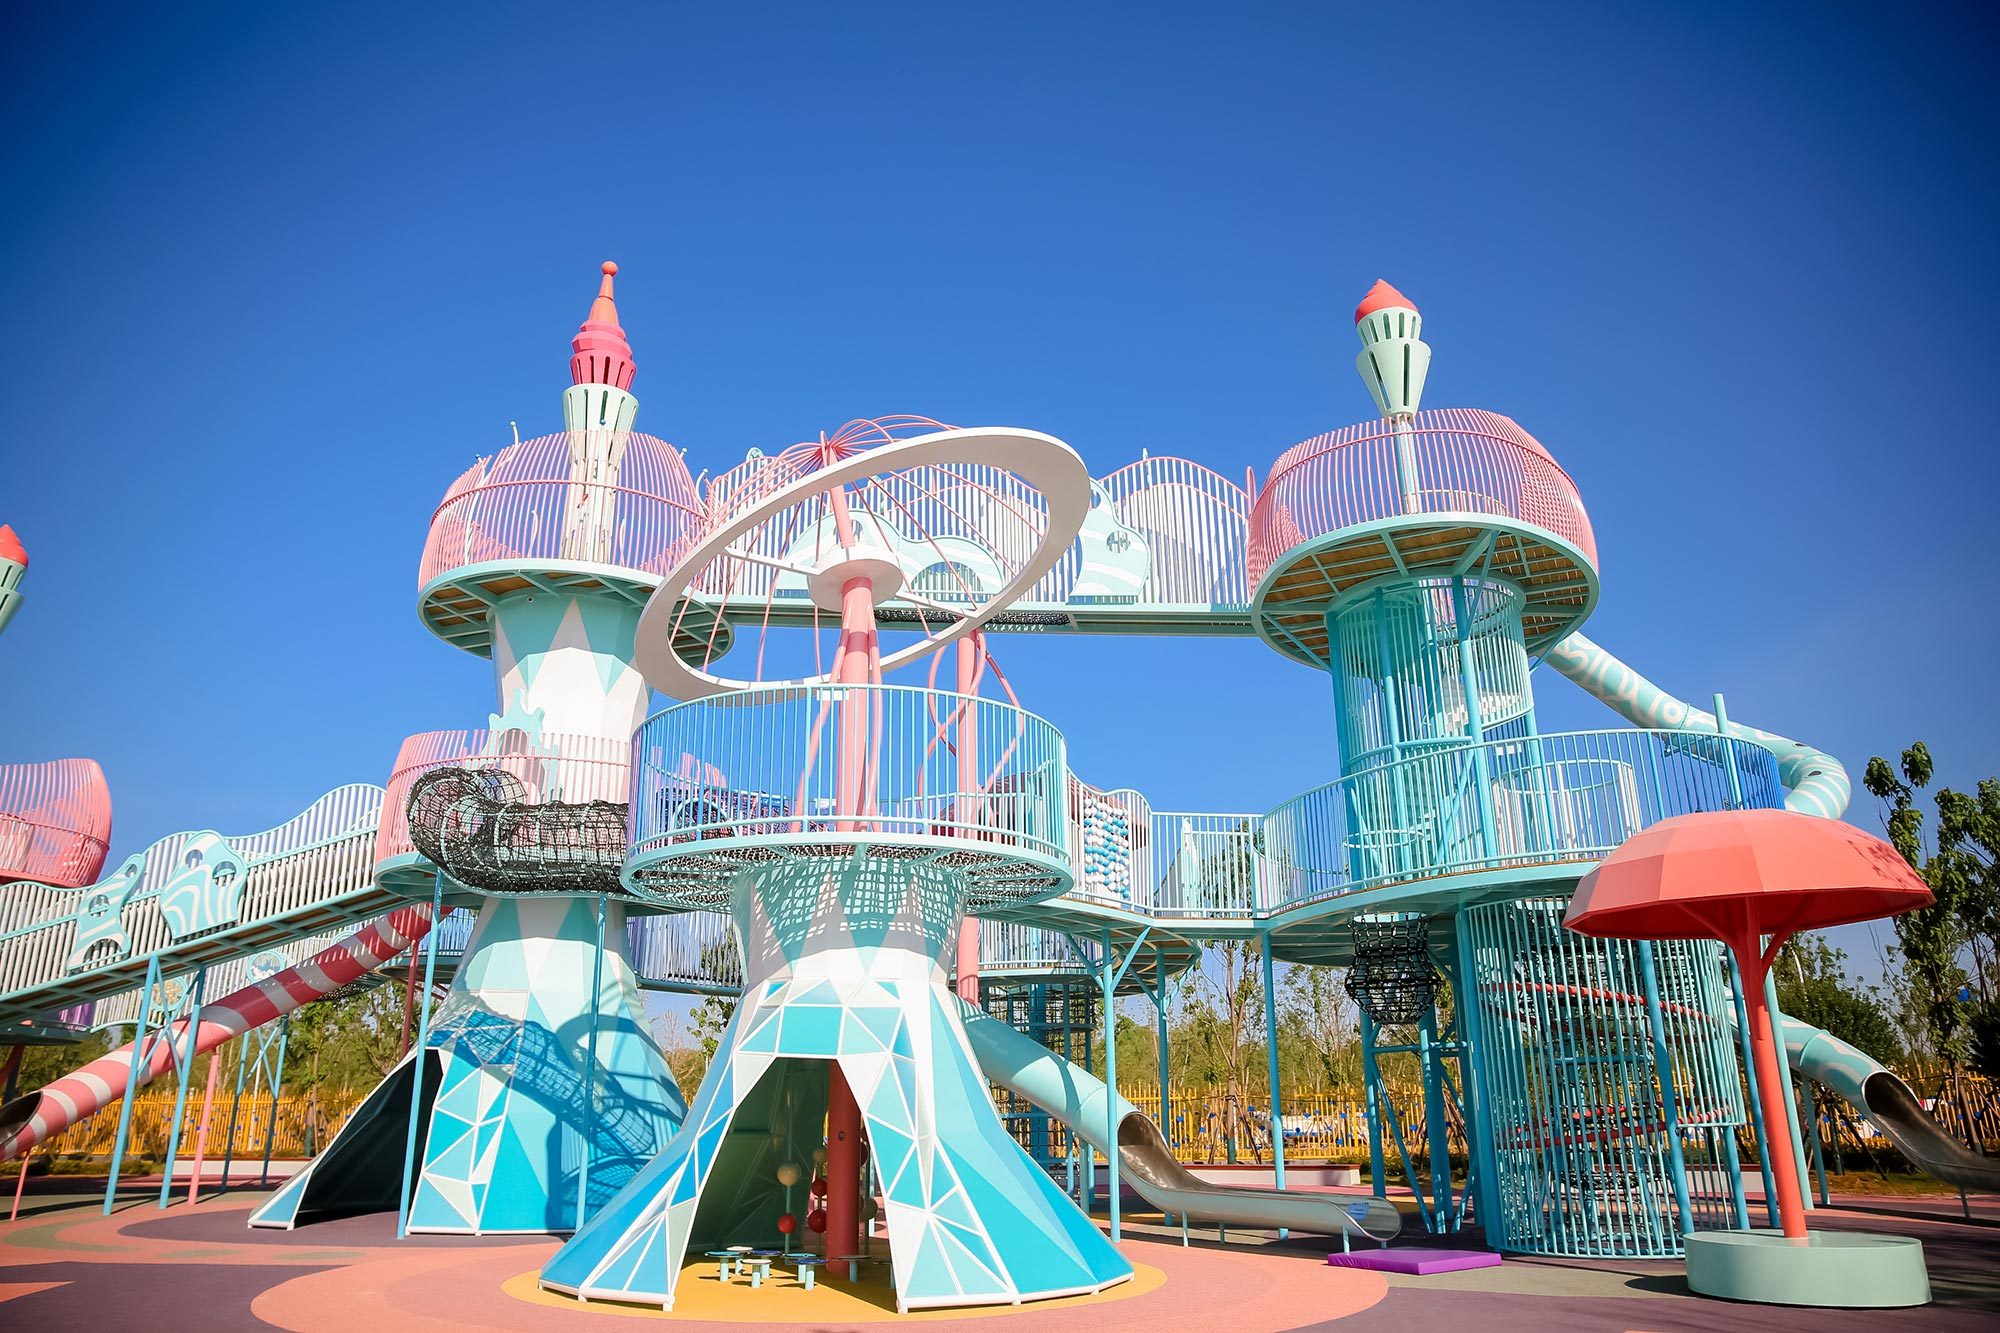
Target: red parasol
{"type": "Point", "coordinates": [1738, 876]}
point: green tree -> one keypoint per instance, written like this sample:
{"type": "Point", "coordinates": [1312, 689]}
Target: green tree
{"type": "Point", "coordinates": [1948, 948]}
{"type": "Point", "coordinates": [1318, 1036]}
{"type": "Point", "coordinates": [1814, 985]}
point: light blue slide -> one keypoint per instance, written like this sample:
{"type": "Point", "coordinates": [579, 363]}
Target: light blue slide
{"type": "Point", "coordinates": [1072, 1095]}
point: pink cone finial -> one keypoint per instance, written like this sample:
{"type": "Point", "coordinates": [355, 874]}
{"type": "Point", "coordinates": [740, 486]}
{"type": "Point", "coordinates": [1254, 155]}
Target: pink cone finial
{"type": "Point", "coordinates": [602, 356]}
{"type": "Point", "coordinates": [1381, 296]}
{"type": "Point", "coordinates": [10, 546]}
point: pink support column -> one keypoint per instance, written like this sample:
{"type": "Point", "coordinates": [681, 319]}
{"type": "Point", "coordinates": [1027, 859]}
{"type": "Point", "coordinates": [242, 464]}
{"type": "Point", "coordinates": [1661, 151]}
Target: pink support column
{"type": "Point", "coordinates": [856, 663]}
{"type": "Point", "coordinates": [970, 650]}
{"type": "Point", "coordinates": [201, 1135]}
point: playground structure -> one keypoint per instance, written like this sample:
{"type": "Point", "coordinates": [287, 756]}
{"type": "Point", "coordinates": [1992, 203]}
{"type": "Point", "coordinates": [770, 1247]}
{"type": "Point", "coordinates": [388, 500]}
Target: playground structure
{"type": "Point", "coordinates": [912, 890]}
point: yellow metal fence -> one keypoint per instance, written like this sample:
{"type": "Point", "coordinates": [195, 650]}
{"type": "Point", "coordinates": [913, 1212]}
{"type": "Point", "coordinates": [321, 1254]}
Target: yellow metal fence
{"type": "Point", "coordinates": [1202, 1125]}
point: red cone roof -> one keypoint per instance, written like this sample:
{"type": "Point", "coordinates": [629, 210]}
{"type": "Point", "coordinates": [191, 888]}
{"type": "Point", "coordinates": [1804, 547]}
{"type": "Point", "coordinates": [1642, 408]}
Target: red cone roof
{"type": "Point", "coordinates": [602, 356]}
{"type": "Point", "coordinates": [10, 546]}
{"type": "Point", "coordinates": [1380, 297]}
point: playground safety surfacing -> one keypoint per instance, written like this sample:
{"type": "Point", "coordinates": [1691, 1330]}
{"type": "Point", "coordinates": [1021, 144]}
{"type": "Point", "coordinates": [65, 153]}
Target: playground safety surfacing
{"type": "Point", "coordinates": [63, 1265]}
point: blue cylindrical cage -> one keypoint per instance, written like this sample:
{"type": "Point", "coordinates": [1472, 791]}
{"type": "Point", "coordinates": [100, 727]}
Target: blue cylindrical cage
{"type": "Point", "coordinates": [1598, 1059]}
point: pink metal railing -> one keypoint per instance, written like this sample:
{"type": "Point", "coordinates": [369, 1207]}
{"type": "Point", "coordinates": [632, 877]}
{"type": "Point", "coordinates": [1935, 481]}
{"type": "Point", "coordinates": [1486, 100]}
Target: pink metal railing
{"type": "Point", "coordinates": [1466, 461]}
{"type": "Point", "coordinates": [528, 503]}
{"type": "Point", "coordinates": [55, 821]}
{"type": "Point", "coordinates": [551, 768]}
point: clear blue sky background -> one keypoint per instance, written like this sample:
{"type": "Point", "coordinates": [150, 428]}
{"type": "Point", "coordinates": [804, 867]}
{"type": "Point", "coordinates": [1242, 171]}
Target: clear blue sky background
{"type": "Point", "coordinates": [274, 275]}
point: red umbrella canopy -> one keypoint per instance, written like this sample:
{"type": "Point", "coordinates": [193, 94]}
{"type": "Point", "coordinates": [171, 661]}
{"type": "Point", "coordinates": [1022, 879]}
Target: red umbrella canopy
{"type": "Point", "coordinates": [1742, 873]}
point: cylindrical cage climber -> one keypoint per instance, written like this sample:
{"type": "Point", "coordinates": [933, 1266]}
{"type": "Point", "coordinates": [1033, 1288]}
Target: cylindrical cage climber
{"type": "Point", "coordinates": [1577, 1039]}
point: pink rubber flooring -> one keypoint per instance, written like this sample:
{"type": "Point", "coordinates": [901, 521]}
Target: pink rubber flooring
{"type": "Point", "coordinates": [64, 1266]}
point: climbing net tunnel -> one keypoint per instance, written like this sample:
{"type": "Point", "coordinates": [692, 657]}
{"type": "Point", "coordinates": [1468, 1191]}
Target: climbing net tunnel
{"type": "Point", "coordinates": [1611, 1085]}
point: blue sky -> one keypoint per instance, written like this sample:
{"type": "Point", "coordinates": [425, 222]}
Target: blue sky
{"type": "Point", "coordinates": [275, 275]}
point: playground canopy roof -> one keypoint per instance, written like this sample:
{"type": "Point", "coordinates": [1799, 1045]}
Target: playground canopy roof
{"type": "Point", "coordinates": [1737, 874]}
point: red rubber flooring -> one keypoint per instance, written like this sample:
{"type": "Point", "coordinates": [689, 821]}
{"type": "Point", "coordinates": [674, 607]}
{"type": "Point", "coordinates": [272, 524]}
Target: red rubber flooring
{"type": "Point", "coordinates": [62, 1266]}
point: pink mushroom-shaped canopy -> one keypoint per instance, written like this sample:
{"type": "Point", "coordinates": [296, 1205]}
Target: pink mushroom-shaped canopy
{"type": "Point", "coordinates": [1736, 874]}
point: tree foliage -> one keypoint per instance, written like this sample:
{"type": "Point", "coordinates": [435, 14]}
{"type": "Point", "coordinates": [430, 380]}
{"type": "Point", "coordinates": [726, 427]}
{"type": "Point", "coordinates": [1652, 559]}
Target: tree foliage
{"type": "Point", "coordinates": [1814, 985]}
{"type": "Point", "coordinates": [1949, 949]}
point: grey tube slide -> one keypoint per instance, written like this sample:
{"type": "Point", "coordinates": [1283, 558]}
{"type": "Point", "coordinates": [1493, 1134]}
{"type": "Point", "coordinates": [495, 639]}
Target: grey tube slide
{"type": "Point", "coordinates": [1028, 1069]}
{"type": "Point", "coordinates": [1889, 1102]}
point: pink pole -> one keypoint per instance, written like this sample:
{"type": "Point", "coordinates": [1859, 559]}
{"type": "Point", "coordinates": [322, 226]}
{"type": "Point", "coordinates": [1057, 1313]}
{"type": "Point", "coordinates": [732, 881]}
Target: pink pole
{"type": "Point", "coordinates": [1750, 969]}
{"type": "Point", "coordinates": [201, 1136]}
{"type": "Point", "coordinates": [856, 664]}
{"type": "Point", "coordinates": [969, 651]}
{"type": "Point", "coordinates": [20, 1185]}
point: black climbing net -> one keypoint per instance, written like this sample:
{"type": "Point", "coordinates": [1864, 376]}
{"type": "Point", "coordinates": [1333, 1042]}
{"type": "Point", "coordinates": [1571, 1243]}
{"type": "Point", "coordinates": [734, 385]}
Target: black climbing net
{"type": "Point", "coordinates": [476, 826]}
{"type": "Point", "coordinates": [1392, 978]}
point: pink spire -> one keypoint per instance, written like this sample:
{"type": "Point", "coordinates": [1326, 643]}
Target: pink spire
{"type": "Point", "coordinates": [10, 546]}
{"type": "Point", "coordinates": [1380, 297]}
{"type": "Point", "coordinates": [602, 354]}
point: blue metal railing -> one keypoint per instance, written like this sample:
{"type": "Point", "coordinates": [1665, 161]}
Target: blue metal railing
{"type": "Point", "coordinates": [1564, 797]}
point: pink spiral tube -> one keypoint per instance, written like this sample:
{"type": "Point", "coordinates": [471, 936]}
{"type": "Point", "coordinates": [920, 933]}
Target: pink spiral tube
{"type": "Point", "coordinates": [28, 1120]}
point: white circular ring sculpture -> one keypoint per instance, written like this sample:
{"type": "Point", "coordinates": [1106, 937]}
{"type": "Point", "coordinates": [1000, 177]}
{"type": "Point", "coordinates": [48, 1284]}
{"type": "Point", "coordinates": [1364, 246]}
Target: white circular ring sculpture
{"type": "Point", "coordinates": [1043, 461]}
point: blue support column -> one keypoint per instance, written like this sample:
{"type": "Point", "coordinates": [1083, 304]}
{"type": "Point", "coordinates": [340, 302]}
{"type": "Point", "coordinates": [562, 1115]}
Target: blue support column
{"type": "Point", "coordinates": [1111, 1080]}
{"type": "Point", "coordinates": [242, 1045]}
{"type": "Point", "coordinates": [277, 1082]}
{"type": "Point", "coordinates": [419, 1060]}
{"type": "Point", "coordinates": [1439, 1144]}
{"type": "Point", "coordinates": [183, 1069]}
{"type": "Point", "coordinates": [1739, 1207]}
{"type": "Point", "coordinates": [1482, 1163]}
{"type": "Point", "coordinates": [1663, 1063]}
{"type": "Point", "coordinates": [590, 1075]}
{"type": "Point", "coordinates": [1160, 1006]}
{"type": "Point", "coordinates": [1792, 1134]}
{"type": "Point", "coordinates": [1475, 726]}
{"type": "Point", "coordinates": [1271, 1072]}
{"type": "Point", "coordinates": [1757, 1127]}
{"type": "Point", "coordinates": [132, 1082]}
{"type": "Point", "coordinates": [1370, 1078]}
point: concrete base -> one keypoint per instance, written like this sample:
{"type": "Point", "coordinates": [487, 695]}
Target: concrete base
{"type": "Point", "coordinates": [1846, 1270]}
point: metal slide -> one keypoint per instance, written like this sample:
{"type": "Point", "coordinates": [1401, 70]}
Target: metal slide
{"type": "Point", "coordinates": [1072, 1095]}
{"type": "Point", "coordinates": [1889, 1102]}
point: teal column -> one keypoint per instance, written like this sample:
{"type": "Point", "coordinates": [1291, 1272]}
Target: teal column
{"type": "Point", "coordinates": [420, 1059]}
{"type": "Point", "coordinates": [132, 1082]}
{"type": "Point", "coordinates": [1160, 1006]}
{"type": "Point", "coordinates": [590, 1078]}
{"type": "Point", "coordinates": [1111, 1080]}
{"type": "Point", "coordinates": [277, 1085]}
{"type": "Point", "coordinates": [183, 1068]}
{"type": "Point", "coordinates": [1757, 1127]}
{"type": "Point", "coordinates": [242, 1045]}
{"type": "Point", "coordinates": [1271, 1073]}
{"type": "Point", "coordinates": [1370, 1080]}
{"type": "Point", "coordinates": [1271, 1065]}
{"type": "Point", "coordinates": [1482, 1163]}
{"type": "Point", "coordinates": [1475, 726]}
{"type": "Point", "coordinates": [1434, 1126]}
{"type": "Point", "coordinates": [1663, 1064]}
{"type": "Point", "coordinates": [1797, 1139]}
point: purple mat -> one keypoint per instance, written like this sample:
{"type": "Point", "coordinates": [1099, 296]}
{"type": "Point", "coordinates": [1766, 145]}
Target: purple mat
{"type": "Point", "coordinates": [1417, 1262]}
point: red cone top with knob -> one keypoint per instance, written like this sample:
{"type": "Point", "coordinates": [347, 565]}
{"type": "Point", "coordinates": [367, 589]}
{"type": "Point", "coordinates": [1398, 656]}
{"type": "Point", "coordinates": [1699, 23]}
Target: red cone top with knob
{"type": "Point", "coordinates": [10, 546]}
{"type": "Point", "coordinates": [1737, 876]}
{"type": "Point", "coordinates": [1380, 297]}
{"type": "Point", "coordinates": [602, 356]}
